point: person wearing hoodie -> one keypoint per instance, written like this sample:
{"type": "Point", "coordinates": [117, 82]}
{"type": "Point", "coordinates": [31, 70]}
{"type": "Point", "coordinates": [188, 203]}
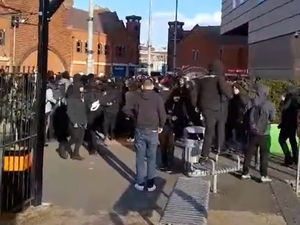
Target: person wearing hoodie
{"type": "Point", "coordinates": [76, 111]}
{"type": "Point", "coordinates": [288, 127]}
{"type": "Point", "coordinates": [150, 116]}
{"type": "Point", "coordinates": [213, 93]}
{"type": "Point", "coordinates": [92, 94]}
{"type": "Point", "coordinates": [261, 115]}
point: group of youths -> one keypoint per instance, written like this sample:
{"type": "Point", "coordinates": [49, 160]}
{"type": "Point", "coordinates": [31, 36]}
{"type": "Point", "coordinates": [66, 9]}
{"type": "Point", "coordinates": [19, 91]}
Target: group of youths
{"type": "Point", "coordinates": [155, 112]}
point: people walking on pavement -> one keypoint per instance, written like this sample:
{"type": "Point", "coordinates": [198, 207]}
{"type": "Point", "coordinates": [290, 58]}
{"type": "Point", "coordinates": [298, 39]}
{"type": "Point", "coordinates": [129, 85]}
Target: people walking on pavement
{"type": "Point", "coordinates": [288, 127]}
{"type": "Point", "coordinates": [50, 103]}
{"type": "Point", "coordinates": [261, 116]}
{"type": "Point", "coordinates": [76, 111]}
{"type": "Point", "coordinates": [111, 101]}
{"type": "Point", "coordinates": [149, 112]}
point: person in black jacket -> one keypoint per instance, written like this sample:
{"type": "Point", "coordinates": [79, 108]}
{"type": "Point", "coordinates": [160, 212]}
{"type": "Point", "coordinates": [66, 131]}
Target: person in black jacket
{"type": "Point", "coordinates": [211, 88]}
{"type": "Point", "coordinates": [111, 101]}
{"type": "Point", "coordinates": [149, 113]}
{"type": "Point", "coordinates": [76, 111]}
{"type": "Point", "coordinates": [91, 96]}
{"type": "Point", "coordinates": [288, 127]}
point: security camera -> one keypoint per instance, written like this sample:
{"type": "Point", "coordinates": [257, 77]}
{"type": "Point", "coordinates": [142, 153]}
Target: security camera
{"type": "Point", "coordinates": [297, 33]}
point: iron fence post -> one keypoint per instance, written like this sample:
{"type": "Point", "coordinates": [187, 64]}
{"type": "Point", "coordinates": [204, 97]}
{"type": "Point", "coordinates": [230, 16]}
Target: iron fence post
{"type": "Point", "coordinates": [38, 155]}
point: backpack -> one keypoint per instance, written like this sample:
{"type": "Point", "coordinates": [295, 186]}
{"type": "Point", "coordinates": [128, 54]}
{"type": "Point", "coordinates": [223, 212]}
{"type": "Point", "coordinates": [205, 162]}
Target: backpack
{"type": "Point", "coordinates": [259, 121]}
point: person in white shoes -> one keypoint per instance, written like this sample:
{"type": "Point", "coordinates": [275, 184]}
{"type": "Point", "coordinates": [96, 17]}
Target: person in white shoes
{"type": "Point", "coordinates": [261, 115]}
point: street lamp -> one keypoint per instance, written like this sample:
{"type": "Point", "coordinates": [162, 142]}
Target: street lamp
{"type": "Point", "coordinates": [15, 22]}
{"type": "Point", "coordinates": [175, 38]}
{"type": "Point", "coordinates": [90, 60]}
{"type": "Point", "coordinates": [149, 37]}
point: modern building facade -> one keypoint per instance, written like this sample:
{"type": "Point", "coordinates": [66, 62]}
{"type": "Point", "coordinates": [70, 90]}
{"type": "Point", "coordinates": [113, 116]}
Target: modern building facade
{"type": "Point", "coordinates": [116, 45]}
{"type": "Point", "coordinates": [158, 59]}
{"type": "Point", "coordinates": [272, 29]}
{"type": "Point", "coordinates": [203, 45]}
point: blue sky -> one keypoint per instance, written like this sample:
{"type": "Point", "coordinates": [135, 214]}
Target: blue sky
{"type": "Point", "coordinates": [192, 12]}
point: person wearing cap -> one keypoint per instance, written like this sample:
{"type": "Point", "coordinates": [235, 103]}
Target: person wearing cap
{"type": "Point", "coordinates": [150, 116]}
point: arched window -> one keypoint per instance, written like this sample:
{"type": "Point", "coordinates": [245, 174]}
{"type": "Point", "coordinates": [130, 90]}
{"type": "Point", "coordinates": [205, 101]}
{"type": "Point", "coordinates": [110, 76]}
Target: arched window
{"type": "Point", "coordinates": [106, 50]}
{"type": "Point", "coordinates": [79, 46]}
{"type": "Point", "coordinates": [100, 49]}
{"type": "Point", "coordinates": [86, 47]}
{"type": "Point", "coordinates": [2, 37]}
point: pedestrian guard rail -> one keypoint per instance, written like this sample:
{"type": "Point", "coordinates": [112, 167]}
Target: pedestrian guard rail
{"type": "Point", "coordinates": [193, 142]}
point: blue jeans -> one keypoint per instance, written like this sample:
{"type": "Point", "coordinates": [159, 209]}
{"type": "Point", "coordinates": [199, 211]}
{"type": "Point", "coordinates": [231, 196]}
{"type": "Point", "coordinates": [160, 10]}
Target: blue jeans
{"type": "Point", "coordinates": [145, 145]}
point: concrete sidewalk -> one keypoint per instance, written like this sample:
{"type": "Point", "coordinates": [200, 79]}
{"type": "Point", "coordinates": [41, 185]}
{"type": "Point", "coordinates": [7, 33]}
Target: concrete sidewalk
{"type": "Point", "coordinates": [99, 190]}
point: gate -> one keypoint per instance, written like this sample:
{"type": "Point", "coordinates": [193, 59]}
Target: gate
{"type": "Point", "coordinates": [17, 139]}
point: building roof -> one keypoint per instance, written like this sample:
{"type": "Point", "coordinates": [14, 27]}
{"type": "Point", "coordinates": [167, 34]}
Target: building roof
{"type": "Point", "coordinates": [214, 32]}
{"type": "Point", "coordinates": [105, 21]}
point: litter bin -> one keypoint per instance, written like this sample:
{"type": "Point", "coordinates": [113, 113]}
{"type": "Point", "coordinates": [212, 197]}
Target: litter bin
{"type": "Point", "coordinates": [16, 178]}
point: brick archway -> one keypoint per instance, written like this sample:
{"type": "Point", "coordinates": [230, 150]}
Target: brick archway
{"type": "Point", "coordinates": [55, 63]}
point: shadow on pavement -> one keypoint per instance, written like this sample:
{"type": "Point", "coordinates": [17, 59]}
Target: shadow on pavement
{"type": "Point", "coordinates": [132, 201]}
{"type": "Point", "coordinates": [116, 163]}
{"type": "Point", "coordinates": [187, 198]}
{"type": "Point", "coordinates": [8, 219]}
{"type": "Point", "coordinates": [144, 203]}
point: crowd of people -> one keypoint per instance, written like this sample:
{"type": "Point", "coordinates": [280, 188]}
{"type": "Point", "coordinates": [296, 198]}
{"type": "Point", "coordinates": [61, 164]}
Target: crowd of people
{"type": "Point", "coordinates": [153, 112]}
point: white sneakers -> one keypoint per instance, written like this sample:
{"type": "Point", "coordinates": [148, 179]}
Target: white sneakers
{"type": "Point", "coordinates": [263, 179]}
{"type": "Point", "coordinates": [139, 187]}
{"type": "Point", "coordinates": [246, 176]}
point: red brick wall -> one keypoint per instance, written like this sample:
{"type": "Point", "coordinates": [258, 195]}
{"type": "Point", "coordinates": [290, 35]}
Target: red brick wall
{"type": "Point", "coordinates": [27, 35]}
{"type": "Point", "coordinates": [233, 56]}
{"type": "Point", "coordinates": [62, 42]}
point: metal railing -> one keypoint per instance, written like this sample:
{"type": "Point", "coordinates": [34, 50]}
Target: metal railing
{"type": "Point", "coordinates": [17, 138]}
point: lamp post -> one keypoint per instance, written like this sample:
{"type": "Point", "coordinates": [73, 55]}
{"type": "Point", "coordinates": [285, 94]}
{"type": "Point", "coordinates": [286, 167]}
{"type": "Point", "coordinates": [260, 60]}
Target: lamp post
{"type": "Point", "coordinates": [90, 60]}
{"type": "Point", "coordinates": [16, 21]}
{"type": "Point", "coordinates": [175, 38]}
{"type": "Point", "coordinates": [149, 37]}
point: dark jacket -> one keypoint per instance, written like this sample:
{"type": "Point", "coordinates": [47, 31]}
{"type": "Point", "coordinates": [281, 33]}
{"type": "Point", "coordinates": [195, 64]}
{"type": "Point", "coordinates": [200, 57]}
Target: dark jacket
{"type": "Point", "coordinates": [289, 109]}
{"type": "Point", "coordinates": [111, 100]}
{"type": "Point", "coordinates": [76, 108]}
{"type": "Point", "coordinates": [148, 110]}
{"type": "Point", "coordinates": [261, 102]}
{"type": "Point", "coordinates": [210, 91]}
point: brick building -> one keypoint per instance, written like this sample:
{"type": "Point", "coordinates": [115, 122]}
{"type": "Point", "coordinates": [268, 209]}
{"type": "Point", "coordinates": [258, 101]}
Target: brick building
{"type": "Point", "coordinates": [116, 46]}
{"type": "Point", "coordinates": [203, 44]}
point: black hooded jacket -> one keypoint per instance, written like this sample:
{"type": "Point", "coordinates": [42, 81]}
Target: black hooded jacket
{"type": "Point", "coordinates": [76, 108]}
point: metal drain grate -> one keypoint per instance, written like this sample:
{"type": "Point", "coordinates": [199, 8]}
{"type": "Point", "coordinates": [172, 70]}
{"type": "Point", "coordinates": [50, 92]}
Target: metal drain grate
{"type": "Point", "coordinates": [188, 204]}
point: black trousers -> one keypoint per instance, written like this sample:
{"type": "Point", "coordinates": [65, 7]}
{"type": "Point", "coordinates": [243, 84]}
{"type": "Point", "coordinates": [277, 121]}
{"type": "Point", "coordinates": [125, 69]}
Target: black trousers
{"type": "Point", "coordinates": [264, 144]}
{"type": "Point", "coordinates": [291, 135]}
{"type": "Point", "coordinates": [166, 146]}
{"type": "Point", "coordinates": [109, 124]}
{"type": "Point", "coordinates": [213, 123]}
{"type": "Point", "coordinates": [77, 137]}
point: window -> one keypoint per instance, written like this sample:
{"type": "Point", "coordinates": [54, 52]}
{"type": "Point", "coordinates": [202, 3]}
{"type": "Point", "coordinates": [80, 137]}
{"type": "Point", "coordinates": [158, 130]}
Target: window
{"type": "Point", "coordinates": [79, 46]}
{"type": "Point", "coordinates": [2, 37]}
{"type": "Point", "coordinates": [100, 49]}
{"type": "Point", "coordinates": [106, 50]}
{"type": "Point", "coordinates": [195, 55]}
{"type": "Point", "coordinates": [86, 47]}
{"type": "Point", "coordinates": [120, 51]}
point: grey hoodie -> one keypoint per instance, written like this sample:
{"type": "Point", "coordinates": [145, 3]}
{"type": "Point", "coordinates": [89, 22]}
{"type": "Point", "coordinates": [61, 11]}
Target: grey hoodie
{"type": "Point", "coordinates": [148, 109]}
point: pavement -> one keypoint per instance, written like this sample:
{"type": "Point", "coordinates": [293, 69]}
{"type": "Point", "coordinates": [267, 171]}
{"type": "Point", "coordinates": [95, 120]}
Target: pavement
{"type": "Point", "coordinates": [99, 190]}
